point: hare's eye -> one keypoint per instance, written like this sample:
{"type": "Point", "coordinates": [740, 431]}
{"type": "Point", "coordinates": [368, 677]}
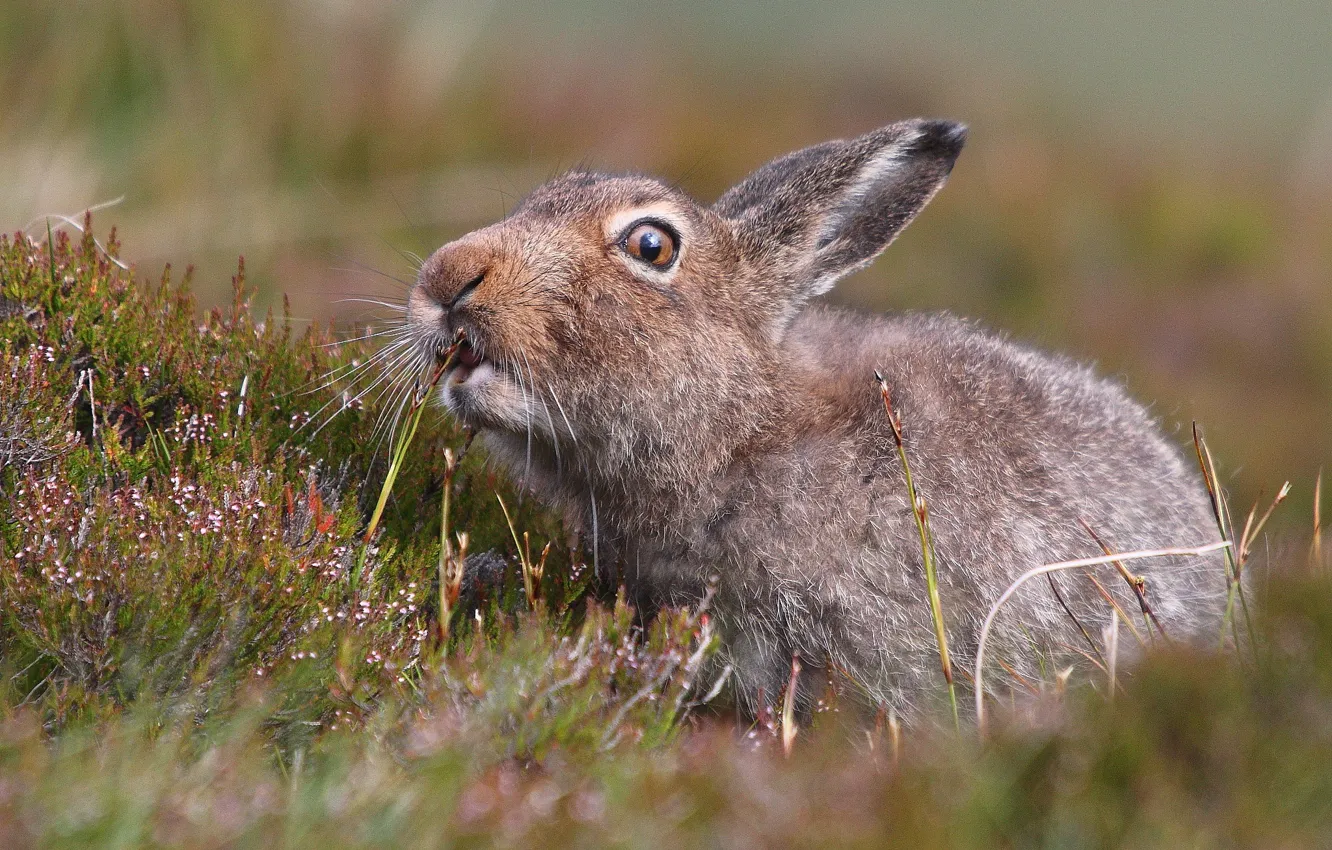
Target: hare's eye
{"type": "Point", "coordinates": [650, 243]}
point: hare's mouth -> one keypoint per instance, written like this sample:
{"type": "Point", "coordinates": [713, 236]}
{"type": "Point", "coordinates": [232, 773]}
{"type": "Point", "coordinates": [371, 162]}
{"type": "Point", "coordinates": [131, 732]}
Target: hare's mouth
{"type": "Point", "coordinates": [466, 360]}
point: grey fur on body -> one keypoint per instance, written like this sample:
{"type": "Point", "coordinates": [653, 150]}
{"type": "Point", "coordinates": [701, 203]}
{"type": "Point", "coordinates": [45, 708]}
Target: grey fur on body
{"type": "Point", "coordinates": [699, 419]}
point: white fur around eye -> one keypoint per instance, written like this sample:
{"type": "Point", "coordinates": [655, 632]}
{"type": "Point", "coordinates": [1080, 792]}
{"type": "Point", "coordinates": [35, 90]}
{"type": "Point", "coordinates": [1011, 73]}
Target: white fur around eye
{"type": "Point", "coordinates": [668, 214]}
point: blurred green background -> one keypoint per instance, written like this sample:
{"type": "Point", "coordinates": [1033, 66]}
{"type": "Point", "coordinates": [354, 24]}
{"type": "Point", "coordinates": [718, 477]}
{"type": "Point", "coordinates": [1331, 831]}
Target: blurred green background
{"type": "Point", "coordinates": [1148, 184]}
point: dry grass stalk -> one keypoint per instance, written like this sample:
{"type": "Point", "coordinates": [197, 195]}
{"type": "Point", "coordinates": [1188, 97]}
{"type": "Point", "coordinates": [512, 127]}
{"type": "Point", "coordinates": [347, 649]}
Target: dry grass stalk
{"type": "Point", "coordinates": [1316, 547]}
{"type": "Point", "coordinates": [1114, 604]}
{"type": "Point", "coordinates": [789, 727]}
{"type": "Point", "coordinates": [451, 586]}
{"type": "Point", "coordinates": [1252, 530]}
{"type": "Point", "coordinates": [886, 723]}
{"type": "Point", "coordinates": [895, 735]}
{"type": "Point", "coordinates": [920, 510]}
{"type": "Point", "coordinates": [1136, 582]}
{"type": "Point", "coordinates": [1052, 568]}
{"type": "Point", "coordinates": [1054, 588]}
{"type": "Point", "coordinates": [1221, 510]}
{"type": "Point", "coordinates": [533, 569]}
{"type": "Point", "coordinates": [450, 561]}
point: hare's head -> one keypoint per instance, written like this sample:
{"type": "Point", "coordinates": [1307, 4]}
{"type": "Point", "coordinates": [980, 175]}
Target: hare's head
{"type": "Point", "coordinates": [616, 312]}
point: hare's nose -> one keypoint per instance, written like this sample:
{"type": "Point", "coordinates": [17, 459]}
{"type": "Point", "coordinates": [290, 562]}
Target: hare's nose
{"type": "Point", "coordinates": [468, 288]}
{"type": "Point", "coordinates": [454, 272]}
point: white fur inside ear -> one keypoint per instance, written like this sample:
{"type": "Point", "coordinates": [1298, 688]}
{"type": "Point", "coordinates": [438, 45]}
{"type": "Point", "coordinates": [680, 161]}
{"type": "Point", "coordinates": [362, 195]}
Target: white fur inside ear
{"type": "Point", "coordinates": [822, 284]}
{"type": "Point", "coordinates": [881, 167]}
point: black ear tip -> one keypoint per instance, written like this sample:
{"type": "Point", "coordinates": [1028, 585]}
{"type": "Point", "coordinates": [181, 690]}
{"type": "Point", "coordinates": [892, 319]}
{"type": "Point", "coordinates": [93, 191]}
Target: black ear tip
{"type": "Point", "coordinates": [955, 133]}
{"type": "Point", "coordinates": [944, 138]}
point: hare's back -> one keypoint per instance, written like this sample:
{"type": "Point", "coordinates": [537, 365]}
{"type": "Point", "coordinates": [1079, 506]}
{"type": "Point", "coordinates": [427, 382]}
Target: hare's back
{"type": "Point", "coordinates": [1018, 451]}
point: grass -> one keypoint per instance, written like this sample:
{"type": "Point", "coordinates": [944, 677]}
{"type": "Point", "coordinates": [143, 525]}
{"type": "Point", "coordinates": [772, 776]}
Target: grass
{"type": "Point", "coordinates": [185, 660]}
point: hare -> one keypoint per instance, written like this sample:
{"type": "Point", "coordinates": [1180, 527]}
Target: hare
{"type": "Point", "coordinates": [653, 369]}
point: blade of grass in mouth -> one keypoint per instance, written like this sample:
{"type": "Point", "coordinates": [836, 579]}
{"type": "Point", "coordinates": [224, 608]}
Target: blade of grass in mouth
{"type": "Point", "coordinates": [404, 442]}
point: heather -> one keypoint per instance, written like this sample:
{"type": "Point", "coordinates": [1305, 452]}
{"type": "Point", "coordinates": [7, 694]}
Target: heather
{"type": "Point", "coordinates": [200, 648]}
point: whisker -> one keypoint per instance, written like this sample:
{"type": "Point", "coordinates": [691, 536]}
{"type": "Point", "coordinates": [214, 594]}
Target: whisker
{"type": "Point", "coordinates": [512, 367]}
{"type": "Point", "coordinates": [333, 196]}
{"type": "Point", "coordinates": [332, 374]}
{"type": "Point", "coordinates": [409, 390]}
{"type": "Point", "coordinates": [401, 336]}
{"type": "Point", "coordinates": [392, 410]}
{"type": "Point", "coordinates": [334, 377]}
{"type": "Point", "coordinates": [554, 435]}
{"type": "Point", "coordinates": [572, 436]}
{"type": "Point", "coordinates": [407, 376]}
{"type": "Point", "coordinates": [389, 372]}
{"type": "Point", "coordinates": [364, 269]}
{"type": "Point", "coordinates": [398, 327]}
{"type": "Point", "coordinates": [403, 370]}
{"type": "Point", "coordinates": [389, 381]}
{"type": "Point", "coordinates": [411, 258]}
{"type": "Point", "coordinates": [388, 305]}
{"type": "Point", "coordinates": [405, 217]}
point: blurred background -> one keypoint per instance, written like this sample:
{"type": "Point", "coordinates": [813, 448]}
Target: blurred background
{"type": "Point", "coordinates": [1148, 184]}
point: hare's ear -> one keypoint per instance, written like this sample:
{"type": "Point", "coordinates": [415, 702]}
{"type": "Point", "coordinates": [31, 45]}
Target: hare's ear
{"type": "Point", "coordinates": [812, 216]}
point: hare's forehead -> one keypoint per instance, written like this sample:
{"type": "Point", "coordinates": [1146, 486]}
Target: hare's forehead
{"type": "Point", "coordinates": [606, 202]}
